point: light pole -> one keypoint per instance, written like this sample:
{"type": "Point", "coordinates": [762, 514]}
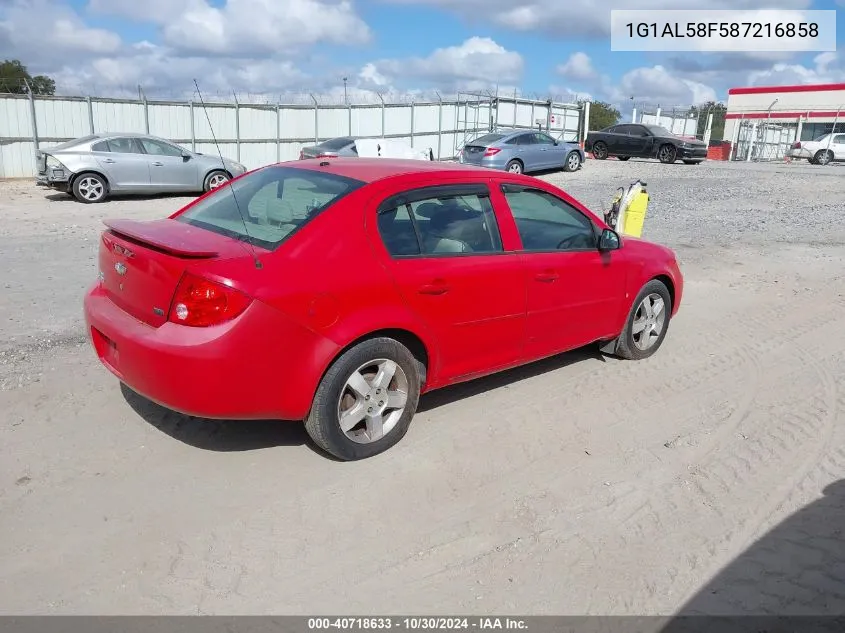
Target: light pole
{"type": "Point", "coordinates": [345, 97]}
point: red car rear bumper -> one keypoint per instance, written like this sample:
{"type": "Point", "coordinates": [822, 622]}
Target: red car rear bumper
{"type": "Point", "coordinates": [260, 365]}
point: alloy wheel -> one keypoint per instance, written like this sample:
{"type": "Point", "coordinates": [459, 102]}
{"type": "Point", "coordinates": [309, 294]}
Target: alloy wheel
{"type": "Point", "coordinates": [372, 401]}
{"type": "Point", "coordinates": [649, 321]}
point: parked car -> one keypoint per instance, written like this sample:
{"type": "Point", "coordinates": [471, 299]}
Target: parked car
{"type": "Point", "coordinates": [522, 151]}
{"type": "Point", "coordinates": [336, 292]}
{"type": "Point", "coordinates": [825, 149]}
{"type": "Point", "coordinates": [93, 167]}
{"type": "Point", "coordinates": [347, 146]}
{"type": "Point", "coordinates": [628, 140]}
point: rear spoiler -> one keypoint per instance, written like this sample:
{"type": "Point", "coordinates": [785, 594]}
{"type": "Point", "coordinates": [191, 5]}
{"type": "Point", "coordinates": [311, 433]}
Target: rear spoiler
{"type": "Point", "coordinates": [160, 234]}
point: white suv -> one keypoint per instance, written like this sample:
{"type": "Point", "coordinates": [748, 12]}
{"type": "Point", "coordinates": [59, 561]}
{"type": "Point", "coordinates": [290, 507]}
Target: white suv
{"type": "Point", "coordinates": [822, 150]}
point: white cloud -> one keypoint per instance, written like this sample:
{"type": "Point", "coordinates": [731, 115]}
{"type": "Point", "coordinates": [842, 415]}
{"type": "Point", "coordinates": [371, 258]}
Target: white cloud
{"type": "Point", "coordinates": [245, 26]}
{"type": "Point", "coordinates": [477, 63]}
{"type": "Point", "coordinates": [579, 17]}
{"type": "Point", "coordinates": [827, 68]}
{"type": "Point", "coordinates": [579, 66]}
{"type": "Point", "coordinates": [40, 32]}
{"type": "Point", "coordinates": [658, 86]}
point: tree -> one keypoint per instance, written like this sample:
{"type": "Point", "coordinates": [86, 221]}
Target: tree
{"type": "Point", "coordinates": [602, 115]}
{"type": "Point", "coordinates": [718, 109]}
{"type": "Point", "coordinates": [14, 78]}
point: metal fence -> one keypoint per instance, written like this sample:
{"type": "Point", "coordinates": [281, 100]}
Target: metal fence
{"type": "Point", "coordinates": [680, 120]}
{"type": "Point", "coordinates": [763, 141]}
{"type": "Point", "coordinates": [257, 134]}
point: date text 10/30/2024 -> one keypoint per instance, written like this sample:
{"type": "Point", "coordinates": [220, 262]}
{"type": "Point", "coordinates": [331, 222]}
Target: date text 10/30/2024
{"type": "Point", "coordinates": [723, 29]}
{"type": "Point", "coordinates": [416, 623]}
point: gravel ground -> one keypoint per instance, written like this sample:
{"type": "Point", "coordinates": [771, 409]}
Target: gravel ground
{"type": "Point", "coordinates": [640, 487]}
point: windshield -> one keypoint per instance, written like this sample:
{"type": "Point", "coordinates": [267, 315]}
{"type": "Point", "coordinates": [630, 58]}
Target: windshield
{"type": "Point", "coordinates": [336, 143]}
{"type": "Point", "coordinates": [487, 139]}
{"type": "Point", "coordinates": [659, 130]}
{"type": "Point", "coordinates": [267, 206]}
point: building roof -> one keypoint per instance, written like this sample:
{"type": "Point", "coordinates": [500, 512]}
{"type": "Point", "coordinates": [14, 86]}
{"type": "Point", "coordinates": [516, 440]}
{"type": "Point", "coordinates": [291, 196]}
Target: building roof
{"type": "Point", "coordinates": [760, 90]}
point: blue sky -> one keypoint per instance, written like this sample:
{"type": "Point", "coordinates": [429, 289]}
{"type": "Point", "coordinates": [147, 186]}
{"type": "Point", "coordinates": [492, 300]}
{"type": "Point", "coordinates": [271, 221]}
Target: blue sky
{"type": "Point", "coordinates": [287, 48]}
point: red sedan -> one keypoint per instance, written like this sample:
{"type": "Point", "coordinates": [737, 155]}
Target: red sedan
{"type": "Point", "coordinates": [337, 291]}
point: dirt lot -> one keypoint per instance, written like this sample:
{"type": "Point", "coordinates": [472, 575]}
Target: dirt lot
{"type": "Point", "coordinates": [579, 485]}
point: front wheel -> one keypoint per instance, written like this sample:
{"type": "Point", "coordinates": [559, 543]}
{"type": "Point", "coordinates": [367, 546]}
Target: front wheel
{"type": "Point", "coordinates": [215, 179]}
{"type": "Point", "coordinates": [366, 400]}
{"type": "Point", "coordinates": [647, 324]}
{"type": "Point", "coordinates": [600, 151]}
{"type": "Point", "coordinates": [573, 162]}
{"type": "Point", "coordinates": [667, 154]}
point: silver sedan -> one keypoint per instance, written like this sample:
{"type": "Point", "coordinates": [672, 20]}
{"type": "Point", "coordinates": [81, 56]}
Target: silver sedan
{"type": "Point", "coordinates": [93, 167]}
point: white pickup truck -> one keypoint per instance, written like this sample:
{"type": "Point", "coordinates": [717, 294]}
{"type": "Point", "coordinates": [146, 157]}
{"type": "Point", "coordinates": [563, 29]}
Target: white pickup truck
{"type": "Point", "coordinates": [822, 150]}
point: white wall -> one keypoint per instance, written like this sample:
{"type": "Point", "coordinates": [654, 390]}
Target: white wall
{"type": "Point", "coordinates": [251, 133]}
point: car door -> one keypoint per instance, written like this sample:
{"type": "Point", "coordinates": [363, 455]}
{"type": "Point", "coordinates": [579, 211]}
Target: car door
{"type": "Point", "coordinates": [443, 248]}
{"type": "Point", "coordinates": [614, 139]}
{"type": "Point", "coordinates": [625, 142]}
{"type": "Point", "coordinates": [552, 155]}
{"type": "Point", "coordinates": [123, 163]}
{"type": "Point", "coordinates": [575, 291]}
{"type": "Point", "coordinates": [638, 140]}
{"type": "Point", "coordinates": [838, 146]}
{"type": "Point", "coordinates": [530, 151]}
{"type": "Point", "coordinates": [169, 169]}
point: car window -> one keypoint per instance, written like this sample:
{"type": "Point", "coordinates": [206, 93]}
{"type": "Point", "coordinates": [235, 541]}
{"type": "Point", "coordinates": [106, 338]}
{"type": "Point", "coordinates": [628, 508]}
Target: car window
{"type": "Point", "coordinates": [547, 223]}
{"type": "Point", "coordinates": [525, 139]}
{"type": "Point", "coordinates": [269, 205]}
{"type": "Point", "coordinates": [637, 130]}
{"type": "Point", "coordinates": [544, 139]}
{"type": "Point", "coordinates": [102, 146]}
{"type": "Point", "coordinates": [487, 139]}
{"type": "Point", "coordinates": [439, 221]}
{"type": "Point", "coordinates": [624, 129]}
{"type": "Point", "coordinates": [839, 138]}
{"type": "Point", "coordinates": [334, 144]}
{"type": "Point", "coordinates": [124, 145]}
{"type": "Point", "coordinates": [158, 148]}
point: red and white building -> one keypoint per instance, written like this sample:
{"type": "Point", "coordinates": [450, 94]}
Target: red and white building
{"type": "Point", "coordinates": [781, 115]}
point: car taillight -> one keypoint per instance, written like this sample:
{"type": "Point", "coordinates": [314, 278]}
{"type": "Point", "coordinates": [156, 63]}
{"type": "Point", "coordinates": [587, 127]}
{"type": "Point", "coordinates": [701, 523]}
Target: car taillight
{"type": "Point", "coordinates": [796, 145]}
{"type": "Point", "coordinates": [491, 151]}
{"type": "Point", "coordinates": [200, 302]}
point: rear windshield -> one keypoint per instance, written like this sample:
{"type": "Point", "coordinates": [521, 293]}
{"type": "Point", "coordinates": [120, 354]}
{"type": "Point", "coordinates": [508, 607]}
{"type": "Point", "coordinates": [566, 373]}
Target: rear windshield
{"type": "Point", "coordinates": [267, 206]}
{"type": "Point", "coordinates": [336, 143]}
{"type": "Point", "coordinates": [487, 139]}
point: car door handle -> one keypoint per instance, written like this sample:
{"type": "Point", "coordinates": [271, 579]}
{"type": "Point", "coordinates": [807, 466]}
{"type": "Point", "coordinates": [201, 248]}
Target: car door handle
{"type": "Point", "coordinates": [158, 164]}
{"type": "Point", "coordinates": [108, 160]}
{"type": "Point", "coordinates": [547, 276]}
{"type": "Point", "coordinates": [436, 288]}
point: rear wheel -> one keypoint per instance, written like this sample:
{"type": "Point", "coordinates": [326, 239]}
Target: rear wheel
{"type": "Point", "coordinates": [573, 162]}
{"type": "Point", "coordinates": [514, 167]}
{"type": "Point", "coordinates": [647, 324]}
{"type": "Point", "coordinates": [366, 400]}
{"type": "Point", "coordinates": [90, 188]}
{"type": "Point", "coordinates": [600, 150]}
{"type": "Point", "coordinates": [215, 179]}
{"type": "Point", "coordinates": [823, 157]}
{"type": "Point", "coordinates": [667, 154]}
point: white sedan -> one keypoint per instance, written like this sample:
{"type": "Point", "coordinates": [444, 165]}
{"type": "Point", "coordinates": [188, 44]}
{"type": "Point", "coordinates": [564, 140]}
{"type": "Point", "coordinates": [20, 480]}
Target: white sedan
{"type": "Point", "coordinates": [822, 150]}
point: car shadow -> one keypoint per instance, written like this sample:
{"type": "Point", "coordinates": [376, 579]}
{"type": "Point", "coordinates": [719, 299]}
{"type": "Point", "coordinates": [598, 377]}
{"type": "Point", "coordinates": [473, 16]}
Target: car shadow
{"type": "Point", "coordinates": [795, 572]}
{"type": "Point", "coordinates": [226, 436]}
{"type": "Point", "coordinates": [58, 196]}
{"type": "Point", "coordinates": [449, 395]}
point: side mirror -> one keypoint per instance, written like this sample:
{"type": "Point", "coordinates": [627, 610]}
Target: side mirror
{"type": "Point", "coordinates": [186, 156]}
{"type": "Point", "coordinates": [609, 240]}
{"type": "Point", "coordinates": [555, 142]}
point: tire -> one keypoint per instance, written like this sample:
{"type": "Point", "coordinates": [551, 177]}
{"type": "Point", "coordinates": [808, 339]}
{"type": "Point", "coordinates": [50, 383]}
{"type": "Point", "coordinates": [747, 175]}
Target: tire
{"type": "Point", "coordinates": [629, 344]}
{"type": "Point", "coordinates": [334, 395]}
{"type": "Point", "coordinates": [692, 162]}
{"type": "Point", "coordinates": [600, 151]}
{"type": "Point", "coordinates": [572, 162]}
{"type": "Point", "coordinates": [214, 179]}
{"type": "Point", "coordinates": [823, 157]}
{"type": "Point", "coordinates": [667, 154]}
{"type": "Point", "coordinates": [90, 188]}
{"type": "Point", "coordinates": [515, 167]}
{"type": "Point", "coordinates": [623, 158]}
